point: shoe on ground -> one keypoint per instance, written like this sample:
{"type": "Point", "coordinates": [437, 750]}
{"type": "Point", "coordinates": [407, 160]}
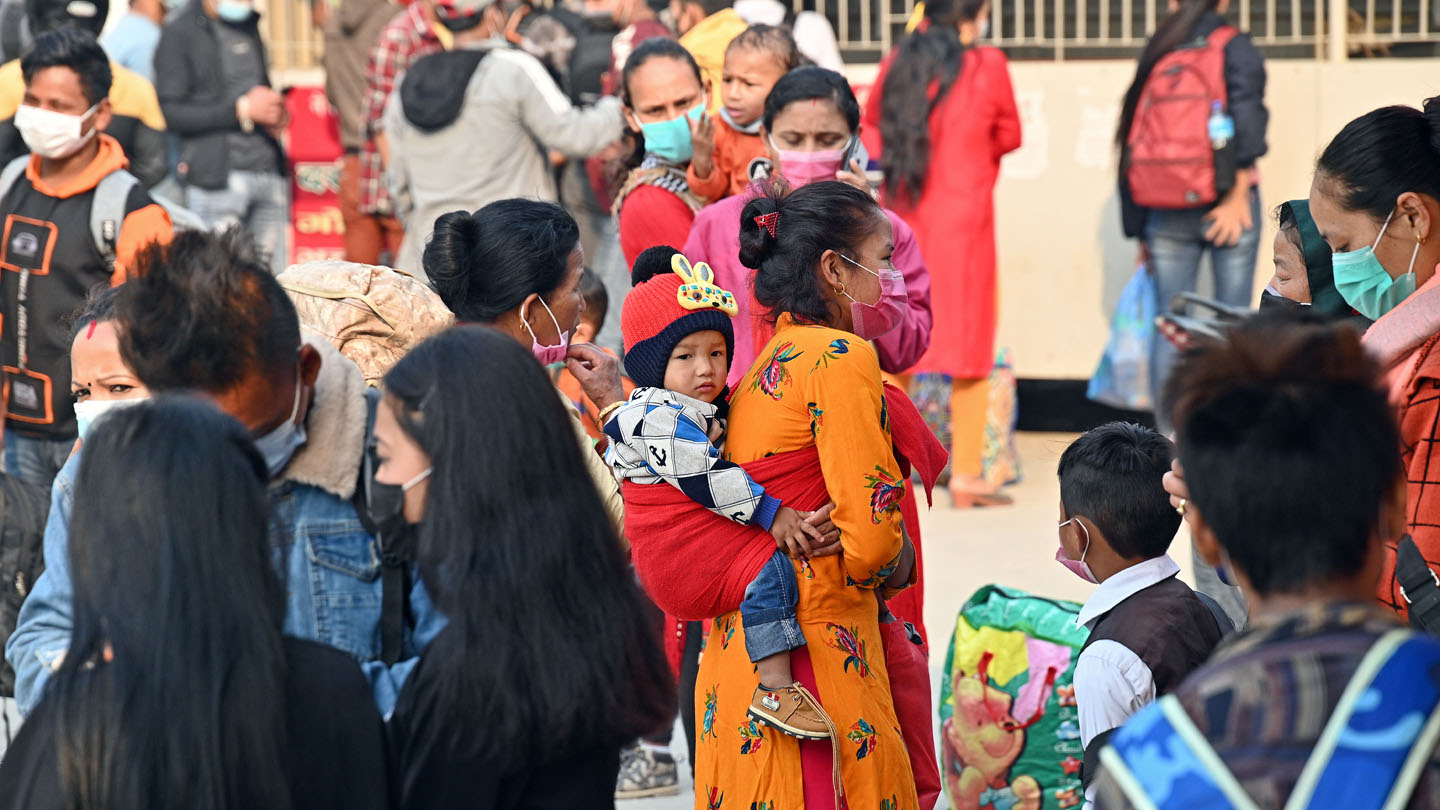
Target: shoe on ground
{"type": "Point", "coordinates": [790, 710]}
{"type": "Point", "coordinates": [645, 773]}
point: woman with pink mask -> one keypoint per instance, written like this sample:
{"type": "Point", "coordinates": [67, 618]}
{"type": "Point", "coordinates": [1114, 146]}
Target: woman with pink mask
{"type": "Point", "coordinates": [811, 124]}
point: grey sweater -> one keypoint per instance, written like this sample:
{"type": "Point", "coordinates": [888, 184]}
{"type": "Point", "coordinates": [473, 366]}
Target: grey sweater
{"type": "Point", "coordinates": [464, 135]}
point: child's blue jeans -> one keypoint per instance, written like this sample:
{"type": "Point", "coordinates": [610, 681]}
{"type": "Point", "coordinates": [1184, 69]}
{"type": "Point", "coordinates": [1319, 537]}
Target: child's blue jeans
{"type": "Point", "coordinates": [768, 611]}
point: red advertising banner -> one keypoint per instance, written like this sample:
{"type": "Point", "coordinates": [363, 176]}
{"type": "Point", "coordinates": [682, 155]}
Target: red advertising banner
{"type": "Point", "coordinates": [317, 231]}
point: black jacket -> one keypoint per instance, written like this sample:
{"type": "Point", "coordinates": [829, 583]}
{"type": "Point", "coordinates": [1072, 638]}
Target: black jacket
{"type": "Point", "coordinates": [1245, 92]}
{"type": "Point", "coordinates": [191, 86]}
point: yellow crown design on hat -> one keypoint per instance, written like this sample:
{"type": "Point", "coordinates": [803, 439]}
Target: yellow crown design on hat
{"type": "Point", "coordinates": [698, 289]}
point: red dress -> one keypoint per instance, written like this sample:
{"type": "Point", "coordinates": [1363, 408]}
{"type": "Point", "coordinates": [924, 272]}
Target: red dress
{"type": "Point", "coordinates": [972, 128]}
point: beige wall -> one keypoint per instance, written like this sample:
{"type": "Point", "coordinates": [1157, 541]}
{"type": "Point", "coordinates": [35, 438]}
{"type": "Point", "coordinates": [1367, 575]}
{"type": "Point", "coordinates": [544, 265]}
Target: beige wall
{"type": "Point", "coordinates": [1062, 257]}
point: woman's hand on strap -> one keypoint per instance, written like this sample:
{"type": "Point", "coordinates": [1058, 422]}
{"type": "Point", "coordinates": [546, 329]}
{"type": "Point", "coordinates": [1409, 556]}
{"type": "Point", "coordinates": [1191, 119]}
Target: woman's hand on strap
{"type": "Point", "coordinates": [597, 372]}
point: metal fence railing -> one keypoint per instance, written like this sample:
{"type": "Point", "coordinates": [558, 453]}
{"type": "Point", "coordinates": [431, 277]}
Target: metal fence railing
{"type": "Point", "coordinates": [1081, 29]}
{"type": "Point", "coordinates": [1050, 29]}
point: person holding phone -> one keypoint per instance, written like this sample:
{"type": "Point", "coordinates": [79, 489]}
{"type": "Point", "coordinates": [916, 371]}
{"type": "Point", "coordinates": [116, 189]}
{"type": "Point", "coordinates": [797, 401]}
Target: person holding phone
{"type": "Point", "coordinates": [941, 116]}
{"type": "Point", "coordinates": [811, 126]}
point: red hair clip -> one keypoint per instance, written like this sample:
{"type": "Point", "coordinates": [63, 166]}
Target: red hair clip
{"type": "Point", "coordinates": [768, 222]}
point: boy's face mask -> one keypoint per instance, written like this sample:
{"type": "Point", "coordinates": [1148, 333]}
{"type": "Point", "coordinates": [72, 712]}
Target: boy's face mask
{"type": "Point", "coordinates": [1079, 567]}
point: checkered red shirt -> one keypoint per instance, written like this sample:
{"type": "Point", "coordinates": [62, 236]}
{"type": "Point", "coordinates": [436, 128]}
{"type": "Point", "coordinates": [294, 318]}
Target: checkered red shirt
{"type": "Point", "coordinates": [402, 42]}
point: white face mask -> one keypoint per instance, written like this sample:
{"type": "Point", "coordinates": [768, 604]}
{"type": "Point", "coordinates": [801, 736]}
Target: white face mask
{"type": "Point", "coordinates": [92, 411]}
{"type": "Point", "coordinates": [51, 134]}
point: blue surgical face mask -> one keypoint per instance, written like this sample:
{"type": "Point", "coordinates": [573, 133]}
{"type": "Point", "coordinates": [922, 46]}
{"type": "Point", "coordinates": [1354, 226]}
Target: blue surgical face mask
{"type": "Point", "coordinates": [670, 140]}
{"type": "Point", "coordinates": [279, 445]}
{"type": "Point", "coordinates": [1365, 285]}
{"type": "Point", "coordinates": [233, 11]}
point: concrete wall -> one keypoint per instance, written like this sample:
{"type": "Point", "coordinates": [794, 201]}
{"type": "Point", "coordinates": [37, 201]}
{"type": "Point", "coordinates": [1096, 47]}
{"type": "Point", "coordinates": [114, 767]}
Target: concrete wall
{"type": "Point", "coordinates": [1063, 260]}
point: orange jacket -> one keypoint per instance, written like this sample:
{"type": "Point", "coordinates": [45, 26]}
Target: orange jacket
{"type": "Point", "coordinates": [734, 150]}
{"type": "Point", "coordinates": [142, 226]}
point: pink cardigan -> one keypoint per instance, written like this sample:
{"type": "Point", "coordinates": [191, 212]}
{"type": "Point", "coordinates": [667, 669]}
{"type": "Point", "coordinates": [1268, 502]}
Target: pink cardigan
{"type": "Point", "coordinates": [715, 240]}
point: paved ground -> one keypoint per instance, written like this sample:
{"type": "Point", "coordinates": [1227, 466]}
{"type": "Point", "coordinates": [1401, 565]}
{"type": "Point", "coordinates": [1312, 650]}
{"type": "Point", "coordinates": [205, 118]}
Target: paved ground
{"type": "Point", "coordinates": [1012, 546]}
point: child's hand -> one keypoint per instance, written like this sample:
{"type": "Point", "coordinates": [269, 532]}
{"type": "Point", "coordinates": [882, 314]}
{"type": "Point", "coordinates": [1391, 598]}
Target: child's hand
{"type": "Point", "coordinates": [829, 532]}
{"type": "Point", "coordinates": [702, 143]}
{"type": "Point", "coordinates": [792, 534]}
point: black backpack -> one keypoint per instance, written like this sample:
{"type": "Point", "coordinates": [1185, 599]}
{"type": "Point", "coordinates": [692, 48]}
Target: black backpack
{"type": "Point", "coordinates": [24, 509]}
{"type": "Point", "coordinates": [582, 76]}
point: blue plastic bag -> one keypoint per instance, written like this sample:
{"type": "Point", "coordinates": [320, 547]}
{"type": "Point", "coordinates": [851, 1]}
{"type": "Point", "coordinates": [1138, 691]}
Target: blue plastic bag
{"type": "Point", "coordinates": [1123, 378]}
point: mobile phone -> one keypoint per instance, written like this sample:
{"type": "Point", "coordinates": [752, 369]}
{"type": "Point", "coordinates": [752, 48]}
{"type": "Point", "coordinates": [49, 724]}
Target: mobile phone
{"type": "Point", "coordinates": [856, 151]}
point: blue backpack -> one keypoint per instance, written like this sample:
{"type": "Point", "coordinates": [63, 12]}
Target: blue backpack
{"type": "Point", "coordinates": [1369, 756]}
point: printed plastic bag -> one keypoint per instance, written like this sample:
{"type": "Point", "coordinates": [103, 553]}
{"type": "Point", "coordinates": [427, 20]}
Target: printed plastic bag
{"type": "Point", "coordinates": [1009, 729]}
{"type": "Point", "coordinates": [1123, 378]}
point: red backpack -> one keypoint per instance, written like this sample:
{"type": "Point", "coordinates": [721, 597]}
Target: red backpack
{"type": "Point", "coordinates": [1170, 161]}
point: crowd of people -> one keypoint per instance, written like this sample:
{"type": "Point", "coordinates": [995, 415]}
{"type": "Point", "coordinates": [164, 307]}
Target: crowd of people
{"type": "Point", "coordinates": [673, 414]}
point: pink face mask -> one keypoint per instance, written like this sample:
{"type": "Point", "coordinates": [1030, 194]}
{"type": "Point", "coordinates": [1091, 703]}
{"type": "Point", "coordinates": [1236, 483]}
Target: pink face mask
{"type": "Point", "coordinates": [804, 168]}
{"type": "Point", "coordinates": [1079, 567]}
{"type": "Point", "coordinates": [548, 355]}
{"type": "Point", "coordinates": [874, 321]}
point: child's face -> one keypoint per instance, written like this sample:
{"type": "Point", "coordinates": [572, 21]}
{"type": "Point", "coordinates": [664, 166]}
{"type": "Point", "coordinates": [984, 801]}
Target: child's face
{"type": "Point", "coordinates": [586, 331]}
{"type": "Point", "coordinates": [698, 366]}
{"type": "Point", "coordinates": [746, 81]}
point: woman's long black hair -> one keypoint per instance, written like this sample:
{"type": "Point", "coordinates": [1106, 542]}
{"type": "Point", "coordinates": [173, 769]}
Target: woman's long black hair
{"type": "Point", "coordinates": [930, 56]}
{"type": "Point", "coordinates": [1172, 32]}
{"type": "Point", "coordinates": [170, 561]}
{"type": "Point", "coordinates": [549, 648]}
{"type": "Point", "coordinates": [652, 48]}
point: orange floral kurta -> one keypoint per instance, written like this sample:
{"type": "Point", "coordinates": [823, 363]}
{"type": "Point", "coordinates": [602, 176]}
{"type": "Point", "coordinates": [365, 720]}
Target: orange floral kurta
{"type": "Point", "coordinates": [813, 386]}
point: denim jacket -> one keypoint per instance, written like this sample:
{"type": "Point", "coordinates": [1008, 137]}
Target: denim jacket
{"type": "Point", "coordinates": [327, 561]}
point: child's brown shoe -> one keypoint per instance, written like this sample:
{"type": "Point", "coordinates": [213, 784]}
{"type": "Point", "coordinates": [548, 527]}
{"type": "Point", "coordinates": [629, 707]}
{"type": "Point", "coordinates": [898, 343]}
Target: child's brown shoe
{"type": "Point", "coordinates": [793, 710]}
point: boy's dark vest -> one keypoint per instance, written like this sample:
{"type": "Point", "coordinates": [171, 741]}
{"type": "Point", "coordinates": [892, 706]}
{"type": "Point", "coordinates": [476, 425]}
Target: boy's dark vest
{"type": "Point", "coordinates": [1168, 628]}
{"type": "Point", "coordinates": [49, 262]}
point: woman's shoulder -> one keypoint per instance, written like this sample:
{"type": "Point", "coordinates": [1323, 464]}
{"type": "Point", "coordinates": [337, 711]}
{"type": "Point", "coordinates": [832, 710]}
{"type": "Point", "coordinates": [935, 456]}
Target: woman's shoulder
{"type": "Point", "coordinates": [831, 352]}
{"type": "Point", "coordinates": [988, 56]}
{"type": "Point", "coordinates": [318, 676]}
{"type": "Point", "coordinates": [723, 213]}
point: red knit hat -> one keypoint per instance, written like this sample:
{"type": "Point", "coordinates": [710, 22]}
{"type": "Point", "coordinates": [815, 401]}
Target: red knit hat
{"type": "Point", "coordinates": [664, 308]}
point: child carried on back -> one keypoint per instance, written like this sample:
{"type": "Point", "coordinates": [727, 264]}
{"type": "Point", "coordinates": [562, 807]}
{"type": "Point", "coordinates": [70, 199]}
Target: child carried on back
{"type": "Point", "coordinates": [678, 340]}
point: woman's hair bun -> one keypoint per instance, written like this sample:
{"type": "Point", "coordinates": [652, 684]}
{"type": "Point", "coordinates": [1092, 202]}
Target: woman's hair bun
{"type": "Point", "coordinates": [756, 242]}
{"type": "Point", "coordinates": [448, 254]}
{"type": "Point", "coordinates": [1432, 117]}
{"type": "Point", "coordinates": [652, 262]}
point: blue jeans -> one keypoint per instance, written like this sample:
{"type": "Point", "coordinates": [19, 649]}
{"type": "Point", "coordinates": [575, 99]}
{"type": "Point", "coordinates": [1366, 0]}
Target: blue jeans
{"type": "Point", "coordinates": [35, 460]}
{"type": "Point", "coordinates": [768, 611]}
{"type": "Point", "coordinates": [1177, 243]}
{"type": "Point", "coordinates": [259, 202]}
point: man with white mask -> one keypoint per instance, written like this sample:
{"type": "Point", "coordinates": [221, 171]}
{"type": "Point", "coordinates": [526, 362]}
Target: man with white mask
{"type": "Point", "coordinates": [73, 219]}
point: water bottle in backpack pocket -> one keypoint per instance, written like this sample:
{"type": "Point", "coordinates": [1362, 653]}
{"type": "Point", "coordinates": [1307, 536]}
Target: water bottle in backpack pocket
{"type": "Point", "coordinates": [1180, 151]}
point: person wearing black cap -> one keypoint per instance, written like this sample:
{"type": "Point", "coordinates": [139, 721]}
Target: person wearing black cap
{"type": "Point", "coordinates": [492, 102]}
{"type": "Point", "coordinates": [135, 123]}
{"type": "Point", "coordinates": [214, 86]}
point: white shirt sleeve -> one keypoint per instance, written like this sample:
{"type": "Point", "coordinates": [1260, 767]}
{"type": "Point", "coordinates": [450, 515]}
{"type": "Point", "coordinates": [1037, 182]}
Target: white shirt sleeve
{"type": "Point", "coordinates": [1111, 683]}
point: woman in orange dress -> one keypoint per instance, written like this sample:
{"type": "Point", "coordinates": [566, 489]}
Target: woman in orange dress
{"type": "Point", "coordinates": [823, 261]}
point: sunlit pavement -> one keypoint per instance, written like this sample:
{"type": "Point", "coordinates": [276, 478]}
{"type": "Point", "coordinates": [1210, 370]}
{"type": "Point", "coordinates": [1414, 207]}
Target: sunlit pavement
{"type": "Point", "coordinates": [1013, 545]}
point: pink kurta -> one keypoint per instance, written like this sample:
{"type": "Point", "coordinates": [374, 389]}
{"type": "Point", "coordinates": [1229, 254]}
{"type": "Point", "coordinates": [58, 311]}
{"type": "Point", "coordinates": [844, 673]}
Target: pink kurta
{"type": "Point", "coordinates": [715, 240]}
{"type": "Point", "coordinates": [972, 128]}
